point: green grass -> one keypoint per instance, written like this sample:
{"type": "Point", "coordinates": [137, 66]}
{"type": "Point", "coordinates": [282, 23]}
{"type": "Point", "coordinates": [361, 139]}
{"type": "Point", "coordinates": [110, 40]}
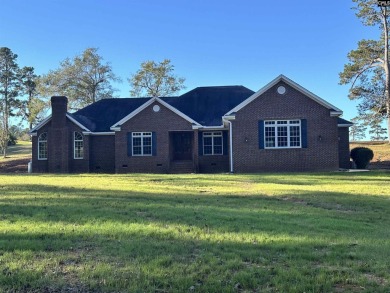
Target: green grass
{"type": "Point", "coordinates": [195, 233]}
{"type": "Point", "coordinates": [17, 158]}
{"type": "Point", "coordinates": [21, 150]}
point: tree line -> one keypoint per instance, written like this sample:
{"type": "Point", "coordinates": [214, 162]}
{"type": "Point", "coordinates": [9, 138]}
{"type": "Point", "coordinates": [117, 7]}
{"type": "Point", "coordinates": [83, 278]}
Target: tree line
{"type": "Point", "coordinates": [84, 79]}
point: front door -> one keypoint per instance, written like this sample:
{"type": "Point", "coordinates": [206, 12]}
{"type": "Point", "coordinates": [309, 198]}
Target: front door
{"type": "Point", "coordinates": [182, 146]}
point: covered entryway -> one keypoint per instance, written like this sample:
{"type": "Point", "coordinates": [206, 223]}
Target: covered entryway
{"type": "Point", "coordinates": [181, 146]}
{"type": "Point", "coordinates": [181, 150]}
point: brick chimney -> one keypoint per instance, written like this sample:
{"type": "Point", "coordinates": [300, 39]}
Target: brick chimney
{"type": "Point", "coordinates": [59, 107]}
{"type": "Point", "coordinates": [58, 141]}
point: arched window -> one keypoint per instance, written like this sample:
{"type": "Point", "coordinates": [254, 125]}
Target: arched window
{"type": "Point", "coordinates": [42, 146]}
{"type": "Point", "coordinates": [78, 145]}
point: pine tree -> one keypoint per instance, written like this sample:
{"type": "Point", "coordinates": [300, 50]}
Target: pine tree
{"type": "Point", "coordinates": [8, 93]}
{"type": "Point", "coordinates": [368, 70]}
{"type": "Point", "coordinates": [358, 130]}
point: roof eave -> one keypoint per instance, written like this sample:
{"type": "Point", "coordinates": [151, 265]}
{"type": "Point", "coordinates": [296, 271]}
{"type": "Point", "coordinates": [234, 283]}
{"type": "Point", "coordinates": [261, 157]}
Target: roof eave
{"type": "Point", "coordinates": [228, 117]}
{"type": "Point", "coordinates": [218, 127]}
{"type": "Point", "coordinates": [336, 113]}
{"type": "Point", "coordinates": [102, 133]}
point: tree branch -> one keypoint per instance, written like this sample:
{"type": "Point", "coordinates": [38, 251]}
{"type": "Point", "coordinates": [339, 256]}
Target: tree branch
{"type": "Point", "coordinates": [371, 65]}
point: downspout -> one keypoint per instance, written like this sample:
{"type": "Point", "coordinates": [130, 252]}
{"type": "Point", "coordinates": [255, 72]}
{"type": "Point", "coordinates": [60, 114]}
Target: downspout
{"type": "Point", "coordinates": [231, 145]}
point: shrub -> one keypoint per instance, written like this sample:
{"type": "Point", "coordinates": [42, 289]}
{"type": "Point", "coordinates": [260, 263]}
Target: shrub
{"type": "Point", "coordinates": [12, 139]}
{"type": "Point", "coordinates": [362, 156]}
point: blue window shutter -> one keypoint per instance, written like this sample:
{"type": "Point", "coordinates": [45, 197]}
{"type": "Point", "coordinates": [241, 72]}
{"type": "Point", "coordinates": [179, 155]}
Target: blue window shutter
{"type": "Point", "coordinates": [129, 144]}
{"type": "Point", "coordinates": [225, 142]}
{"type": "Point", "coordinates": [261, 134]}
{"type": "Point", "coordinates": [154, 144]}
{"type": "Point", "coordinates": [304, 132]}
{"type": "Point", "coordinates": [200, 143]}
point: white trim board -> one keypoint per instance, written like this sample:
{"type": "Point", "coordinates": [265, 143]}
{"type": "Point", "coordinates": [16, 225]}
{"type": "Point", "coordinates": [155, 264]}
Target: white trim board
{"type": "Point", "coordinates": [40, 124]}
{"type": "Point", "coordinates": [98, 133]}
{"type": "Point", "coordinates": [290, 83]}
{"type": "Point", "coordinates": [77, 123]}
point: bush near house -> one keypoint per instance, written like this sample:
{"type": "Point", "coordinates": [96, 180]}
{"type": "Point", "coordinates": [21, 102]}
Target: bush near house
{"type": "Point", "coordinates": [362, 157]}
{"type": "Point", "coordinates": [381, 151]}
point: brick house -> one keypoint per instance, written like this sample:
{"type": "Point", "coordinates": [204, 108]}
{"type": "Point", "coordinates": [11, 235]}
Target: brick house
{"type": "Point", "coordinates": [281, 127]}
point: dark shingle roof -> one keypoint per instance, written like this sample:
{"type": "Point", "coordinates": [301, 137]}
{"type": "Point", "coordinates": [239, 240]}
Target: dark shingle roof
{"type": "Point", "coordinates": [206, 105]}
{"type": "Point", "coordinates": [343, 121]}
{"type": "Point", "coordinates": [100, 116]}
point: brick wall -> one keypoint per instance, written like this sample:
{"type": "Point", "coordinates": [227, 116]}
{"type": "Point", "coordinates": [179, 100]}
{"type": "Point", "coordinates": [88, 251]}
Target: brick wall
{"type": "Point", "coordinates": [38, 166]}
{"type": "Point", "coordinates": [77, 165]}
{"type": "Point", "coordinates": [102, 153]}
{"type": "Point", "coordinates": [214, 164]}
{"type": "Point", "coordinates": [60, 150]}
{"type": "Point", "coordinates": [162, 122]}
{"type": "Point", "coordinates": [321, 154]}
{"type": "Point", "coordinates": [344, 152]}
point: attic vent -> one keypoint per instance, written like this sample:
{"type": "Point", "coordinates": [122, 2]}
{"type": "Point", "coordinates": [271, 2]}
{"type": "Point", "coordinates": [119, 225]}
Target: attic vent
{"type": "Point", "coordinates": [156, 108]}
{"type": "Point", "coordinates": [281, 90]}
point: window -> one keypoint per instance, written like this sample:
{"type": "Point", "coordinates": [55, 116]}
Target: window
{"type": "Point", "coordinates": [212, 143]}
{"type": "Point", "coordinates": [78, 145]}
{"type": "Point", "coordinates": [282, 134]}
{"type": "Point", "coordinates": [42, 146]}
{"type": "Point", "coordinates": [142, 143]}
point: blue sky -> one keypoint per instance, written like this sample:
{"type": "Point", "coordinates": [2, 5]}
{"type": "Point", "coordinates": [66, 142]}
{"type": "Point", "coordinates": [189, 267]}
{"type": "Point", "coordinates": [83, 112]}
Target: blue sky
{"type": "Point", "coordinates": [214, 42]}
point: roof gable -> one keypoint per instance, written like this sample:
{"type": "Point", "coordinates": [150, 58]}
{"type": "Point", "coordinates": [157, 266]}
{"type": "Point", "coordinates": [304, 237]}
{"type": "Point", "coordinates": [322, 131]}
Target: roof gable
{"type": "Point", "coordinates": [48, 118]}
{"type": "Point", "coordinates": [291, 83]}
{"type": "Point", "coordinates": [117, 125]}
{"type": "Point", "coordinates": [100, 116]}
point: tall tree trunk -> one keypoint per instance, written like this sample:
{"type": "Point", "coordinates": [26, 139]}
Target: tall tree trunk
{"type": "Point", "coordinates": [5, 122]}
{"type": "Point", "coordinates": [386, 68]}
{"type": "Point", "coordinates": [5, 126]}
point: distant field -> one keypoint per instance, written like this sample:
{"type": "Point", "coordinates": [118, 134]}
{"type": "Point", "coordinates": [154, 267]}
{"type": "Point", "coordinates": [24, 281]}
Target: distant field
{"type": "Point", "coordinates": [195, 233]}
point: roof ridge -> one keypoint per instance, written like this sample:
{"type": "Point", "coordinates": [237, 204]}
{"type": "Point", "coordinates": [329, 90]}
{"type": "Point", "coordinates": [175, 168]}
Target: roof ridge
{"type": "Point", "coordinates": [219, 86]}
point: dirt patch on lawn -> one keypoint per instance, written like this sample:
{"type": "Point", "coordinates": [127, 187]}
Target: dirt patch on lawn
{"type": "Point", "coordinates": [14, 166]}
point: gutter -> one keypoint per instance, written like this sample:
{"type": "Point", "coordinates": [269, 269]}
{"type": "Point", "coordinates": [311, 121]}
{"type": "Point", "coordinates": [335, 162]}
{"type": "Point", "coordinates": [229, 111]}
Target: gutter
{"type": "Point", "coordinates": [227, 119]}
{"type": "Point", "coordinates": [231, 146]}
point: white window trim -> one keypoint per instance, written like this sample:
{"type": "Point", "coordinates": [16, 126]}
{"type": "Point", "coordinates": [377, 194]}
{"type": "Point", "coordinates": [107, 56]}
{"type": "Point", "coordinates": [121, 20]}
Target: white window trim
{"type": "Point", "coordinates": [39, 157]}
{"type": "Point", "coordinates": [288, 124]}
{"type": "Point", "coordinates": [74, 145]}
{"type": "Point", "coordinates": [212, 135]}
{"type": "Point", "coordinates": [142, 135]}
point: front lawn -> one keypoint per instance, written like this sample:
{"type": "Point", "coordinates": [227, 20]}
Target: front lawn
{"type": "Point", "coordinates": [195, 233]}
